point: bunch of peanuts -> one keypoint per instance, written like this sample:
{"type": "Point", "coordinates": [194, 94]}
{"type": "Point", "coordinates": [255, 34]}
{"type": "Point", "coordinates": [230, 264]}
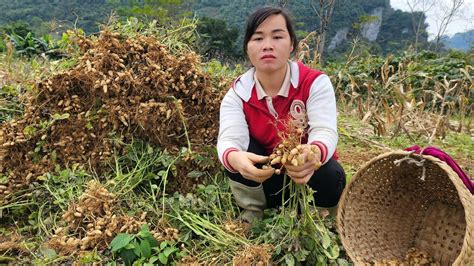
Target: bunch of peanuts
{"type": "Point", "coordinates": [288, 154]}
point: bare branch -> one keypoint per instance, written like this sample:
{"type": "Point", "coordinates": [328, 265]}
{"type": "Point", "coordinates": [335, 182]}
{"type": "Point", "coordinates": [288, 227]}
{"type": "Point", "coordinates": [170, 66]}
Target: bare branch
{"type": "Point", "coordinates": [323, 10]}
{"type": "Point", "coordinates": [423, 6]}
{"type": "Point", "coordinates": [448, 15]}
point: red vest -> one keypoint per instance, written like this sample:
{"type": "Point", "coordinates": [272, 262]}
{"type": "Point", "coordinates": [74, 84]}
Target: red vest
{"type": "Point", "coordinates": [263, 126]}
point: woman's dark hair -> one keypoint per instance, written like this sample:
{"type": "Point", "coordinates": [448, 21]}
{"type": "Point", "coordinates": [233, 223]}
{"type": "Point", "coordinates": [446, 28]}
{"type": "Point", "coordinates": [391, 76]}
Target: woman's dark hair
{"type": "Point", "coordinates": [257, 17]}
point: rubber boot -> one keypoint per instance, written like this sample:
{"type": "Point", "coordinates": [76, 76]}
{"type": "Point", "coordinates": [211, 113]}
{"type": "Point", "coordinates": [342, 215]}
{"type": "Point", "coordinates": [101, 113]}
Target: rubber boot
{"type": "Point", "coordinates": [250, 199]}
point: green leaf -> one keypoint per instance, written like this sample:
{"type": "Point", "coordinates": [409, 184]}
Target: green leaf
{"type": "Point", "coordinates": [321, 261]}
{"type": "Point", "coordinates": [144, 231]}
{"type": "Point", "coordinates": [48, 253]}
{"type": "Point", "coordinates": [163, 259]}
{"type": "Point", "coordinates": [138, 262]}
{"type": "Point", "coordinates": [145, 248]}
{"type": "Point", "coordinates": [131, 245]}
{"type": "Point", "coordinates": [332, 253]}
{"type": "Point", "coordinates": [54, 156]}
{"type": "Point", "coordinates": [342, 262]}
{"type": "Point", "coordinates": [153, 259]}
{"type": "Point", "coordinates": [163, 245]}
{"type": "Point", "coordinates": [278, 250]}
{"type": "Point", "coordinates": [335, 251]}
{"type": "Point", "coordinates": [301, 254]}
{"type": "Point", "coordinates": [163, 173]}
{"type": "Point", "coordinates": [289, 259]}
{"type": "Point", "coordinates": [149, 149]}
{"type": "Point", "coordinates": [136, 248]}
{"type": "Point", "coordinates": [127, 256]}
{"type": "Point", "coordinates": [3, 179]}
{"type": "Point", "coordinates": [169, 250]}
{"type": "Point", "coordinates": [120, 241]}
{"type": "Point", "coordinates": [29, 131]}
{"type": "Point", "coordinates": [61, 116]}
{"type": "Point", "coordinates": [89, 125]}
{"type": "Point", "coordinates": [89, 257]}
{"type": "Point", "coordinates": [195, 174]}
{"type": "Point", "coordinates": [152, 241]}
{"type": "Point", "coordinates": [174, 170]}
{"type": "Point", "coordinates": [326, 241]}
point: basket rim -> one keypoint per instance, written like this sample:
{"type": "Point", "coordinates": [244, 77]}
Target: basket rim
{"type": "Point", "coordinates": [465, 197]}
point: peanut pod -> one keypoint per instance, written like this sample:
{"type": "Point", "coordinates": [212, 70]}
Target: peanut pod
{"type": "Point", "coordinates": [294, 151]}
{"type": "Point", "coordinates": [317, 165]}
{"type": "Point", "coordinates": [276, 160]}
{"type": "Point", "coordinates": [291, 157]}
{"type": "Point", "coordinates": [300, 159]}
{"type": "Point", "coordinates": [294, 162]}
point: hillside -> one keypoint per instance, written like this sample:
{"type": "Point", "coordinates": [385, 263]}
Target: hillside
{"type": "Point", "coordinates": [53, 16]}
{"type": "Point", "coordinates": [461, 41]}
{"type": "Point", "coordinates": [387, 30]}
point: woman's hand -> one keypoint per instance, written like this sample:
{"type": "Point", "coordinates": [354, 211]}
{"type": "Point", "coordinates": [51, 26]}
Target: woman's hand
{"type": "Point", "coordinates": [301, 174]}
{"type": "Point", "coordinates": [244, 162]}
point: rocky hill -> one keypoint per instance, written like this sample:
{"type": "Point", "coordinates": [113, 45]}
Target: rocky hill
{"type": "Point", "coordinates": [461, 41]}
{"type": "Point", "coordinates": [385, 29]}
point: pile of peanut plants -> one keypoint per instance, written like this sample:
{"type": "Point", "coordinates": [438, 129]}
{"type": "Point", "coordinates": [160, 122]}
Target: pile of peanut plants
{"type": "Point", "coordinates": [107, 155]}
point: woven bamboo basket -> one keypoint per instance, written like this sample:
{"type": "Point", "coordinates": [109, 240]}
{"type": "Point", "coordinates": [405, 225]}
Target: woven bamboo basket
{"type": "Point", "coordinates": [400, 200]}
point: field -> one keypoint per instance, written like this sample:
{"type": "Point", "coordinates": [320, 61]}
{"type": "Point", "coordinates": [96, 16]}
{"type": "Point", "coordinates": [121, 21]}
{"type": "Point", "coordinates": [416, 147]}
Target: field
{"type": "Point", "coordinates": [107, 155]}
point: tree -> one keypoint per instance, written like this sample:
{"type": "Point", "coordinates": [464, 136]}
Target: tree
{"type": "Point", "coordinates": [418, 18]}
{"type": "Point", "coordinates": [446, 16]}
{"type": "Point", "coordinates": [20, 28]}
{"type": "Point", "coordinates": [84, 14]}
{"type": "Point", "coordinates": [323, 9]}
{"type": "Point", "coordinates": [216, 39]}
{"type": "Point", "coordinates": [396, 32]}
{"type": "Point", "coordinates": [164, 11]}
{"type": "Point", "coordinates": [282, 3]}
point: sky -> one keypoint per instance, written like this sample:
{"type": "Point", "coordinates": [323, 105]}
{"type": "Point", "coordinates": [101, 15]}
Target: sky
{"type": "Point", "coordinates": [463, 22]}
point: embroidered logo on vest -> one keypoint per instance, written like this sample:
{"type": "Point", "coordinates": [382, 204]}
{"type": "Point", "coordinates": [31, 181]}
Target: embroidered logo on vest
{"type": "Point", "coordinates": [298, 112]}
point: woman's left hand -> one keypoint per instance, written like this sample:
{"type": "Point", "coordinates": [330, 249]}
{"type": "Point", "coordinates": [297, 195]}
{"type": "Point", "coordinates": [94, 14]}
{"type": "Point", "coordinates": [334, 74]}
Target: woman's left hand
{"type": "Point", "coordinates": [301, 174]}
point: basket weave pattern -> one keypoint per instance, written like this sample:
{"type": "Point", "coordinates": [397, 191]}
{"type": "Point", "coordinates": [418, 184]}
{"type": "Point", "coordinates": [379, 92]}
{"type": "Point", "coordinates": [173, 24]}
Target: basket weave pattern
{"type": "Point", "coordinates": [401, 200]}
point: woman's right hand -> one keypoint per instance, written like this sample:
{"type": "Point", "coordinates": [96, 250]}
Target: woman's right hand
{"type": "Point", "coordinates": [244, 163]}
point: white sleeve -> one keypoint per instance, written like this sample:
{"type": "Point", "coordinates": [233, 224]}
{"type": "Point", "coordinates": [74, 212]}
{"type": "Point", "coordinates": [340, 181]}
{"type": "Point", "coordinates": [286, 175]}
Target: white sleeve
{"type": "Point", "coordinates": [233, 128]}
{"type": "Point", "coordinates": [321, 110]}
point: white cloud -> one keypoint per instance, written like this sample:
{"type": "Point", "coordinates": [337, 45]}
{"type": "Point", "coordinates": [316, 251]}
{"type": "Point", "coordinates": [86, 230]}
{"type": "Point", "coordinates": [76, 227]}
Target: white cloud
{"type": "Point", "coordinates": [462, 23]}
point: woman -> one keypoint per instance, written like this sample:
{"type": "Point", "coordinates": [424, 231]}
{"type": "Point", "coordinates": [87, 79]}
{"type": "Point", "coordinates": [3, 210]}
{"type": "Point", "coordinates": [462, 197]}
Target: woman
{"type": "Point", "coordinates": [277, 89]}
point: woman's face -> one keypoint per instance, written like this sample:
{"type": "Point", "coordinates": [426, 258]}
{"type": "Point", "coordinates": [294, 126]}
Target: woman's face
{"type": "Point", "coordinates": [270, 46]}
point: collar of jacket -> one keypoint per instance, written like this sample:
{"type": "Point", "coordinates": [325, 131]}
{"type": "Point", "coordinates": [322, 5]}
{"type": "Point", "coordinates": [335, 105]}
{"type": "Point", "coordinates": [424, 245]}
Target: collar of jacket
{"type": "Point", "coordinates": [244, 84]}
